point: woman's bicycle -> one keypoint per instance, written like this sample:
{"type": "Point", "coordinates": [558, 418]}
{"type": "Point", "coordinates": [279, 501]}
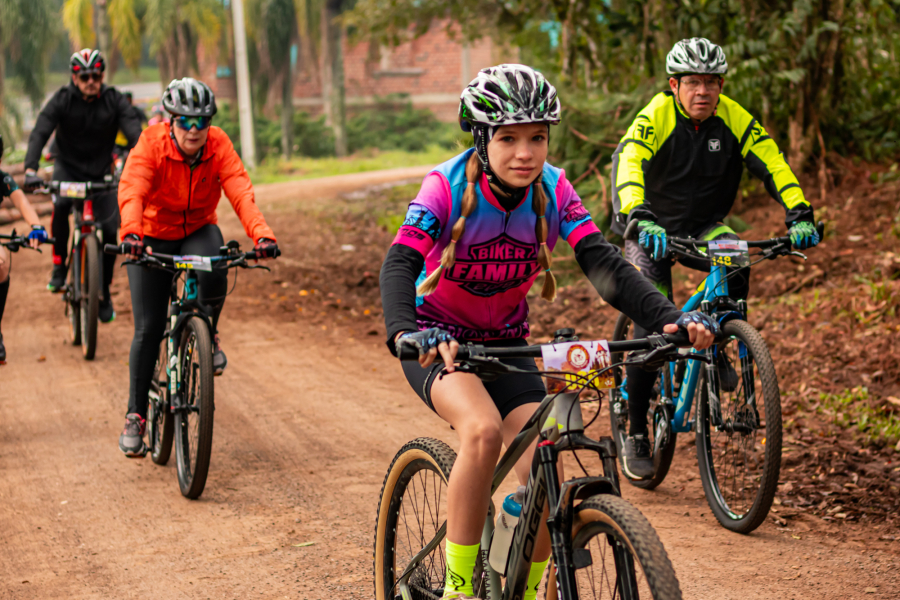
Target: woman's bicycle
{"type": "Point", "coordinates": [603, 547]}
{"type": "Point", "coordinates": [181, 402]}
{"type": "Point", "coordinates": [738, 417]}
{"type": "Point", "coordinates": [84, 283]}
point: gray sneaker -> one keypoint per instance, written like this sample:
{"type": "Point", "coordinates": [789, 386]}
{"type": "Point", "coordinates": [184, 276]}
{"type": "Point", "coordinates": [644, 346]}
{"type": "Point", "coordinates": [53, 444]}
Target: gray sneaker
{"type": "Point", "coordinates": [637, 459]}
{"type": "Point", "coordinates": [220, 361]}
{"type": "Point", "coordinates": [131, 442]}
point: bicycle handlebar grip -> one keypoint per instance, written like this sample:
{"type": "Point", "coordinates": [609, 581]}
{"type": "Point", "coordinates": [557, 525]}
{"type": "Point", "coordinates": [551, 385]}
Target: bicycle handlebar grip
{"type": "Point", "coordinates": [111, 249]}
{"type": "Point", "coordinates": [406, 352]}
{"type": "Point", "coordinates": [631, 232]}
{"type": "Point", "coordinates": [820, 229]}
{"type": "Point", "coordinates": [680, 339]}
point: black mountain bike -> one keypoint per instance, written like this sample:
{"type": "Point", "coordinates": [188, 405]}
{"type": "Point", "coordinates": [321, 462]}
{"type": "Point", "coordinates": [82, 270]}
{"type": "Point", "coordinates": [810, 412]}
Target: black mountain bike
{"type": "Point", "coordinates": [603, 547]}
{"type": "Point", "coordinates": [182, 402]}
{"type": "Point", "coordinates": [84, 283]}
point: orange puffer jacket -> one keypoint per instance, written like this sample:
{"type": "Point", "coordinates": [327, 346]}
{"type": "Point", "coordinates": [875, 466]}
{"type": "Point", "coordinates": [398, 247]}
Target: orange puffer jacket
{"type": "Point", "coordinates": [162, 197]}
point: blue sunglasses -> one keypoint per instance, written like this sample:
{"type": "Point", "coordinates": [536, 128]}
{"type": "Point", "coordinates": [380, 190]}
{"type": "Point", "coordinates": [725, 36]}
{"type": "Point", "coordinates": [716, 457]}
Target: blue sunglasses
{"type": "Point", "coordinates": [186, 123]}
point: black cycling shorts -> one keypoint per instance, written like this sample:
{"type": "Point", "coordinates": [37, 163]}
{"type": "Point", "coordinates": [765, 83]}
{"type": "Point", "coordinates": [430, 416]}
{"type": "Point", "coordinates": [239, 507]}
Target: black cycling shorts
{"type": "Point", "coordinates": [507, 391]}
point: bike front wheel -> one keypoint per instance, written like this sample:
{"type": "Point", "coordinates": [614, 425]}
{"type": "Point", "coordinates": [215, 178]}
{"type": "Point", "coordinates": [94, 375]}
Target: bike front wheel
{"type": "Point", "coordinates": [739, 430]}
{"type": "Point", "coordinates": [659, 429]}
{"type": "Point", "coordinates": [160, 420]}
{"type": "Point", "coordinates": [73, 310]}
{"type": "Point", "coordinates": [194, 419]}
{"type": "Point", "coordinates": [411, 512]}
{"type": "Point", "coordinates": [89, 306]}
{"type": "Point", "coordinates": [627, 559]}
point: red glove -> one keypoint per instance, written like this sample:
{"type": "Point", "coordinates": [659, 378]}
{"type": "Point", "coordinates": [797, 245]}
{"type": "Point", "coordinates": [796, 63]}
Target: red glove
{"type": "Point", "coordinates": [133, 245]}
{"type": "Point", "coordinates": [266, 248]}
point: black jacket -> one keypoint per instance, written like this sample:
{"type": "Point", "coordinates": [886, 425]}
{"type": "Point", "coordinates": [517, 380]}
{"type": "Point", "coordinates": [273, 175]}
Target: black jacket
{"type": "Point", "coordinates": [685, 177]}
{"type": "Point", "coordinates": [85, 132]}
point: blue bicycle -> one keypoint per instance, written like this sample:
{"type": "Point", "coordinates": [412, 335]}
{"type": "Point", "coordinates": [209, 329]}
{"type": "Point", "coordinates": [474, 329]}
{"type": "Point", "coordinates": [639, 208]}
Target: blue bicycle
{"type": "Point", "coordinates": [738, 417]}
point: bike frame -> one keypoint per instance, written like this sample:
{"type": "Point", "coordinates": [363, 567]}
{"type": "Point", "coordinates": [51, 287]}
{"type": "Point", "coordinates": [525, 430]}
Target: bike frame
{"type": "Point", "coordinates": [83, 227]}
{"type": "Point", "coordinates": [559, 423]}
{"type": "Point", "coordinates": [182, 307]}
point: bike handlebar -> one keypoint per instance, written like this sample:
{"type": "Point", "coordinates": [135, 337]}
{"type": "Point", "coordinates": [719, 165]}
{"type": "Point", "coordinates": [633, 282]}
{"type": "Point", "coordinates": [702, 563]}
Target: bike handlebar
{"type": "Point", "coordinates": [631, 233]}
{"type": "Point", "coordinates": [90, 186]}
{"type": "Point", "coordinates": [467, 351]}
{"type": "Point", "coordinates": [169, 259]}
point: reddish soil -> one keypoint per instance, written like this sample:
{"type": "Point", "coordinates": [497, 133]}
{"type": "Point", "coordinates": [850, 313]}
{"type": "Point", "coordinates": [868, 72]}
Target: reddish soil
{"type": "Point", "coordinates": [312, 408]}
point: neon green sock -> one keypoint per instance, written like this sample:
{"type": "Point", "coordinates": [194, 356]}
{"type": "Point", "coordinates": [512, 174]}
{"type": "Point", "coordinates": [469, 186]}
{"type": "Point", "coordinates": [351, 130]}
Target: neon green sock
{"type": "Point", "coordinates": [460, 568]}
{"type": "Point", "coordinates": [534, 579]}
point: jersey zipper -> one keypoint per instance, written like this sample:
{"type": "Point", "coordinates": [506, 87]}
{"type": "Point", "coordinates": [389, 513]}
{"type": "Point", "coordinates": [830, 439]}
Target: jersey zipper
{"type": "Point", "coordinates": [190, 191]}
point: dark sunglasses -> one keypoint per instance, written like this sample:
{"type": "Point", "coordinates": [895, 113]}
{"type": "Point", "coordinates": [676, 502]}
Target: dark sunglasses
{"type": "Point", "coordinates": [85, 77]}
{"type": "Point", "coordinates": [186, 123]}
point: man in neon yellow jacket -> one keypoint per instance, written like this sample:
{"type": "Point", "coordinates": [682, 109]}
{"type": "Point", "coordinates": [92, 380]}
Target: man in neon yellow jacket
{"type": "Point", "coordinates": [677, 171]}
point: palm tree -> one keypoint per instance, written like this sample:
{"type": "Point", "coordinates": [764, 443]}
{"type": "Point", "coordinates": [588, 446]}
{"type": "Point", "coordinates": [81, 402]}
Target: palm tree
{"type": "Point", "coordinates": [280, 28]}
{"type": "Point", "coordinates": [28, 33]}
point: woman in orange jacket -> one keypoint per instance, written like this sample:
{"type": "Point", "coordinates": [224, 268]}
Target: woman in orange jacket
{"type": "Point", "coordinates": [168, 194]}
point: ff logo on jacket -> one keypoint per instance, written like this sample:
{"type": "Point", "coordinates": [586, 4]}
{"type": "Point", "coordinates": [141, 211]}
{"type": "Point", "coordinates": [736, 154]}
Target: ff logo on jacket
{"type": "Point", "coordinates": [715, 145]}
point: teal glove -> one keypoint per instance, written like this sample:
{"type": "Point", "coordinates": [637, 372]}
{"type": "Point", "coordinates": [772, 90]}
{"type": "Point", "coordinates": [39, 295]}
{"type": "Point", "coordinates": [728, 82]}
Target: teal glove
{"type": "Point", "coordinates": [652, 237]}
{"type": "Point", "coordinates": [803, 235]}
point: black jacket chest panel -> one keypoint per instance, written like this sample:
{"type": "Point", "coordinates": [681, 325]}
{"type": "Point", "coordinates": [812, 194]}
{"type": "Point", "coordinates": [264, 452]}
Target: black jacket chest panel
{"type": "Point", "coordinates": [693, 179]}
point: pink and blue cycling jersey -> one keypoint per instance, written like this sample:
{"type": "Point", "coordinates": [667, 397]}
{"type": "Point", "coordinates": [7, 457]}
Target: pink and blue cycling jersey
{"type": "Point", "coordinates": [482, 297]}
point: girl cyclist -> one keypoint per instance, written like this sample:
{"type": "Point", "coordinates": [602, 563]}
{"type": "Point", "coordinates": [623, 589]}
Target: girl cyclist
{"type": "Point", "coordinates": [478, 234]}
{"type": "Point", "coordinates": [38, 235]}
{"type": "Point", "coordinates": [170, 187]}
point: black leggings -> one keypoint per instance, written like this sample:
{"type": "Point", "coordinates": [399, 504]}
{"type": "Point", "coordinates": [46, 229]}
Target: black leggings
{"type": "Point", "coordinates": [150, 303]}
{"type": "Point", "coordinates": [106, 215]}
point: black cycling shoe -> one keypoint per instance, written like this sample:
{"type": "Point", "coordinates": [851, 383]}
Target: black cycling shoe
{"type": "Point", "coordinates": [637, 460]}
{"type": "Point", "coordinates": [2, 351]}
{"type": "Point", "coordinates": [106, 312]}
{"type": "Point", "coordinates": [57, 279]}
{"type": "Point", "coordinates": [728, 377]}
{"type": "Point", "coordinates": [131, 441]}
{"type": "Point", "coordinates": [220, 361]}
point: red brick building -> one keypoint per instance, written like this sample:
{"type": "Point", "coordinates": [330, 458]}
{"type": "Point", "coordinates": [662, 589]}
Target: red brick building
{"type": "Point", "coordinates": [432, 70]}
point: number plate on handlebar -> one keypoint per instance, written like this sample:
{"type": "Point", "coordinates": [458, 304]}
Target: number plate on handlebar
{"type": "Point", "coordinates": [583, 358]}
{"type": "Point", "coordinates": [72, 189]}
{"type": "Point", "coordinates": [190, 262]}
{"type": "Point", "coordinates": [729, 253]}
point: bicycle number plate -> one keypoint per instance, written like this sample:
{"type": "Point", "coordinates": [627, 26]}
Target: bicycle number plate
{"type": "Point", "coordinates": [729, 253]}
{"type": "Point", "coordinates": [72, 189]}
{"type": "Point", "coordinates": [195, 263]}
{"type": "Point", "coordinates": [578, 364]}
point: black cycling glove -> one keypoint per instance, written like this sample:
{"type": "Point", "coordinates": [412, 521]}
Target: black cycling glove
{"type": "Point", "coordinates": [700, 318]}
{"type": "Point", "coordinates": [266, 248]}
{"type": "Point", "coordinates": [32, 182]}
{"type": "Point", "coordinates": [424, 341]}
{"type": "Point", "coordinates": [133, 245]}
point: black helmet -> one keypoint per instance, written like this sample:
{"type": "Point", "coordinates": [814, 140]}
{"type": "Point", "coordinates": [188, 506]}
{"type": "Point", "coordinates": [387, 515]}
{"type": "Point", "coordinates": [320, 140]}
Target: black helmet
{"type": "Point", "coordinates": [189, 98]}
{"type": "Point", "coordinates": [87, 61]}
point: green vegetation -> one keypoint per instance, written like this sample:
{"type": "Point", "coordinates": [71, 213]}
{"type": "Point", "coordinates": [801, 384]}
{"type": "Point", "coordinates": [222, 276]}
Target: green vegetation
{"type": "Point", "coordinates": [852, 408]}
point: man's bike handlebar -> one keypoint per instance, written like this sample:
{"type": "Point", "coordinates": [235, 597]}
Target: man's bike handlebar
{"type": "Point", "coordinates": [53, 187]}
{"type": "Point", "coordinates": [474, 351]}
{"type": "Point", "coordinates": [631, 233]}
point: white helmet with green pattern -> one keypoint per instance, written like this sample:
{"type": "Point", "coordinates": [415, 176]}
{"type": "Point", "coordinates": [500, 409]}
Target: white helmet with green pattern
{"type": "Point", "coordinates": [508, 95]}
{"type": "Point", "coordinates": [696, 56]}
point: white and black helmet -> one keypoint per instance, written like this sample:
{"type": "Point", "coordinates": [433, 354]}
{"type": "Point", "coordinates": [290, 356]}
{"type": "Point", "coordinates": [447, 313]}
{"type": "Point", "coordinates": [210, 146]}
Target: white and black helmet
{"type": "Point", "coordinates": [189, 98]}
{"type": "Point", "coordinates": [87, 61]}
{"type": "Point", "coordinates": [696, 56]}
{"type": "Point", "coordinates": [508, 95]}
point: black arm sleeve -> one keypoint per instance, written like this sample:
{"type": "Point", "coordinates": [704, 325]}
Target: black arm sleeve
{"type": "Point", "coordinates": [622, 285]}
{"type": "Point", "coordinates": [46, 122]}
{"type": "Point", "coordinates": [401, 268]}
{"type": "Point", "coordinates": [129, 122]}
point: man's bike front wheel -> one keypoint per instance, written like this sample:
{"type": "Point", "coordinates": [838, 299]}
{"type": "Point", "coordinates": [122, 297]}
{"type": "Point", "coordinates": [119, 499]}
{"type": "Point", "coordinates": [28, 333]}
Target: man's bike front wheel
{"type": "Point", "coordinates": [90, 279]}
{"type": "Point", "coordinates": [411, 512]}
{"type": "Point", "coordinates": [194, 413]}
{"type": "Point", "coordinates": [739, 429]}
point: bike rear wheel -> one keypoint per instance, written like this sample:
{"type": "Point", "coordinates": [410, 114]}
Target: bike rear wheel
{"type": "Point", "coordinates": [160, 420]}
{"type": "Point", "coordinates": [739, 453]}
{"type": "Point", "coordinates": [412, 509]}
{"type": "Point", "coordinates": [662, 438]}
{"type": "Point", "coordinates": [628, 561]}
{"type": "Point", "coordinates": [90, 278]}
{"type": "Point", "coordinates": [194, 421]}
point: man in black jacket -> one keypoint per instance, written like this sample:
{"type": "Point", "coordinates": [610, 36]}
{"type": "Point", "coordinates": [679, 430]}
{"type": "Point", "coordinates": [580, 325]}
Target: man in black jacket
{"type": "Point", "coordinates": [86, 115]}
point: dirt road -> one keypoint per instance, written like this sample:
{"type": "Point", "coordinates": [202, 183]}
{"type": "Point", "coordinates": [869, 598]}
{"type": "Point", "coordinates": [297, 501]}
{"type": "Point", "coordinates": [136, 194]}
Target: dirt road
{"type": "Point", "coordinates": [307, 421]}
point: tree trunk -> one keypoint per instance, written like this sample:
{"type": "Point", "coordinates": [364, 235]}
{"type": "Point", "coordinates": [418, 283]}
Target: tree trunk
{"type": "Point", "coordinates": [104, 39]}
{"type": "Point", "coordinates": [287, 111]}
{"type": "Point", "coordinates": [336, 66]}
{"type": "Point", "coordinates": [325, 71]}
